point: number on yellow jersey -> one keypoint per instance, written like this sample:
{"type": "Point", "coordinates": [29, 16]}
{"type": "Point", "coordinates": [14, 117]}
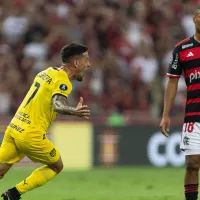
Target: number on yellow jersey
{"type": "Point", "coordinates": [37, 85]}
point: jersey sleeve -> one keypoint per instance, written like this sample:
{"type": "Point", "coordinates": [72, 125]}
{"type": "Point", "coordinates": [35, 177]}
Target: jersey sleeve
{"type": "Point", "coordinates": [175, 68]}
{"type": "Point", "coordinates": [62, 86]}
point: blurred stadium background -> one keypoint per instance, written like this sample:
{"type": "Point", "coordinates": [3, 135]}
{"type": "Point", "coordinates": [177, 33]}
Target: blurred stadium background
{"type": "Point", "coordinates": [119, 154]}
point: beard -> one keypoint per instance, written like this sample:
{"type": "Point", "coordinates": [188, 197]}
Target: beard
{"type": "Point", "coordinates": [79, 77]}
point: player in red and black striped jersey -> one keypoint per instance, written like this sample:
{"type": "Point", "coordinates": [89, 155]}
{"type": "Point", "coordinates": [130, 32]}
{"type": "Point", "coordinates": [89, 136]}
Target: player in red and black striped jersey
{"type": "Point", "coordinates": [186, 60]}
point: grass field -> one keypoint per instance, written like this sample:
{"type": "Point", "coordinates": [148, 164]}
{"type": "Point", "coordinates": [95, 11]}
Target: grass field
{"type": "Point", "coordinates": [105, 184]}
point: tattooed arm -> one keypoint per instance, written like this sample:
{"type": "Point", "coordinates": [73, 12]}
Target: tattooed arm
{"type": "Point", "coordinates": [61, 106]}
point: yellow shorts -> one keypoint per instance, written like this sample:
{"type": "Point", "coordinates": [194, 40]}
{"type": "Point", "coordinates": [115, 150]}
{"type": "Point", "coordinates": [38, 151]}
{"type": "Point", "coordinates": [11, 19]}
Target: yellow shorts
{"type": "Point", "coordinates": [13, 150]}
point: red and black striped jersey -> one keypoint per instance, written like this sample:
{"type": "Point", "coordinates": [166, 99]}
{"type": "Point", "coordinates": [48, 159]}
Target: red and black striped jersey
{"type": "Point", "coordinates": [186, 59]}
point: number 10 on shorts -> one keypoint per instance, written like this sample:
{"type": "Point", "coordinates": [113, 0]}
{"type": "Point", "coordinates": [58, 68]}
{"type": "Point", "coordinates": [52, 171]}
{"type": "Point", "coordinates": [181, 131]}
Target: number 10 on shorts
{"type": "Point", "coordinates": [188, 127]}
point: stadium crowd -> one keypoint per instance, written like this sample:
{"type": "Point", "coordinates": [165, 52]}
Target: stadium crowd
{"type": "Point", "coordinates": [130, 44]}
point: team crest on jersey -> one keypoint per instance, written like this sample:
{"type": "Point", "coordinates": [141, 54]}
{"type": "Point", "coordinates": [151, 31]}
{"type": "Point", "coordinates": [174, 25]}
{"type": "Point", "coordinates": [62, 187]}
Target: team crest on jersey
{"type": "Point", "coordinates": [63, 87]}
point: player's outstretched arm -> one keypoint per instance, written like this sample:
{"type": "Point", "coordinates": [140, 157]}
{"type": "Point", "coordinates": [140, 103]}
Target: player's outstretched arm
{"type": "Point", "coordinates": [170, 93]}
{"type": "Point", "coordinates": [61, 106]}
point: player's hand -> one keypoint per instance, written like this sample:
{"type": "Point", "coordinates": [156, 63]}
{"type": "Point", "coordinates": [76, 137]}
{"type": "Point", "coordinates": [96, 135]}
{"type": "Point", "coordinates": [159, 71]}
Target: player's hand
{"type": "Point", "coordinates": [165, 126]}
{"type": "Point", "coordinates": [82, 110]}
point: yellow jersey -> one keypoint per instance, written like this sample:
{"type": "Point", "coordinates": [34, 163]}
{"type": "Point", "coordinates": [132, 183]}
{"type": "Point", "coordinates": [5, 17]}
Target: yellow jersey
{"type": "Point", "coordinates": [36, 113]}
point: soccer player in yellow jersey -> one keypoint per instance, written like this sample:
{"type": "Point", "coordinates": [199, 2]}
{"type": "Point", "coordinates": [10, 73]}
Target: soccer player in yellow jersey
{"type": "Point", "coordinates": [25, 135]}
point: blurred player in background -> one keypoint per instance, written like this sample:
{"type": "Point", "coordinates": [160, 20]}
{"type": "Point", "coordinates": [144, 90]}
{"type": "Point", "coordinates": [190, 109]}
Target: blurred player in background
{"type": "Point", "coordinates": [186, 57]}
{"type": "Point", "coordinates": [25, 135]}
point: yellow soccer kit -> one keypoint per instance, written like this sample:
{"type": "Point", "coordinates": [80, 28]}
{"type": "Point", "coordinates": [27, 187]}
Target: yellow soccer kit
{"type": "Point", "coordinates": [25, 134]}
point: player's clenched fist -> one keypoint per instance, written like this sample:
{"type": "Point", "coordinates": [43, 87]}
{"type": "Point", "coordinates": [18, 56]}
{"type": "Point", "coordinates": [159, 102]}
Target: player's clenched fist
{"type": "Point", "coordinates": [165, 126]}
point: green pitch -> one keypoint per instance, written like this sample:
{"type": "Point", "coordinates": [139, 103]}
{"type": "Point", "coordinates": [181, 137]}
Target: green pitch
{"type": "Point", "coordinates": [105, 184]}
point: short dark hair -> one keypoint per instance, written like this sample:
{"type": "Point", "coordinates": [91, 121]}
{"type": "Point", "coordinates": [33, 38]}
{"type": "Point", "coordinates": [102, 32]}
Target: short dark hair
{"type": "Point", "coordinates": [197, 10]}
{"type": "Point", "coordinates": [70, 50]}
